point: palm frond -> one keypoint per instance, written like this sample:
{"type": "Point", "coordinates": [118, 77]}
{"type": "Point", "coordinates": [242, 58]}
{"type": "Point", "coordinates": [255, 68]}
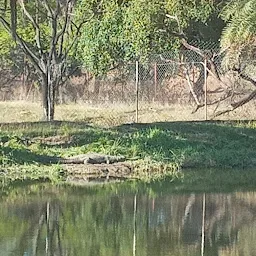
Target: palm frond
{"type": "Point", "coordinates": [241, 25]}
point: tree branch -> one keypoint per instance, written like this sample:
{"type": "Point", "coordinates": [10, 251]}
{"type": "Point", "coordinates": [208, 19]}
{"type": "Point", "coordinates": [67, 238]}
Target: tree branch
{"type": "Point", "coordinates": [34, 24]}
{"type": "Point", "coordinates": [237, 104]}
{"type": "Point", "coordinates": [53, 17]}
{"type": "Point", "coordinates": [34, 59]}
{"type": "Point", "coordinates": [192, 48]}
{"type": "Point", "coordinates": [244, 76]}
{"type": "Point", "coordinates": [61, 33]}
{"type": "Point", "coordinates": [192, 90]}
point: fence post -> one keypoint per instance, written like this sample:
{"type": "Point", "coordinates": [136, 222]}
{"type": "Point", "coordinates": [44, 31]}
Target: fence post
{"type": "Point", "coordinates": [155, 79]}
{"type": "Point", "coordinates": [137, 91]}
{"type": "Point", "coordinates": [205, 89]}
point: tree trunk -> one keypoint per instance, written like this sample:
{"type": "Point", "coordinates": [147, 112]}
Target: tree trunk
{"type": "Point", "coordinates": [199, 84]}
{"type": "Point", "coordinates": [48, 100]}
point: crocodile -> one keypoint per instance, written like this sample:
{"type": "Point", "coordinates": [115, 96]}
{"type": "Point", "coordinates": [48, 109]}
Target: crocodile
{"type": "Point", "coordinates": [91, 158]}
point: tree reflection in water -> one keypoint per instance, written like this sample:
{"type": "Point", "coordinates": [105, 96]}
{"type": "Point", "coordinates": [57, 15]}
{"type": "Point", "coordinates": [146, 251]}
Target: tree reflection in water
{"type": "Point", "coordinates": [59, 221]}
{"type": "Point", "coordinates": [43, 235]}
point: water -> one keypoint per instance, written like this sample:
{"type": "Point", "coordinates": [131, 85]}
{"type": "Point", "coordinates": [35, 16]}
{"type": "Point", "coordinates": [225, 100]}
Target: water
{"type": "Point", "coordinates": [120, 220]}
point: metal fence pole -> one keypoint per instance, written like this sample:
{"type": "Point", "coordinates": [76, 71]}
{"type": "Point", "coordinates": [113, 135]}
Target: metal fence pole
{"type": "Point", "coordinates": [155, 79]}
{"type": "Point", "coordinates": [137, 91]}
{"type": "Point", "coordinates": [205, 89]}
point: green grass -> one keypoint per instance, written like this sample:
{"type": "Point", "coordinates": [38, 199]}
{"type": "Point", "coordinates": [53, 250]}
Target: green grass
{"type": "Point", "coordinates": [158, 151]}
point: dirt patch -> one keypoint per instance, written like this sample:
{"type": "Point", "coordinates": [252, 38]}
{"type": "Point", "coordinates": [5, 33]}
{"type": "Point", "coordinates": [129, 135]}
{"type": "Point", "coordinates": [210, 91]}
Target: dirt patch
{"type": "Point", "coordinates": [84, 173]}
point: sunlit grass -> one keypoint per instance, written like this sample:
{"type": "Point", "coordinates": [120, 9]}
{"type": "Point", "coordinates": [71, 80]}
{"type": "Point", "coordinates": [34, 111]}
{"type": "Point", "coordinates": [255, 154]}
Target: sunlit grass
{"type": "Point", "coordinates": [109, 115]}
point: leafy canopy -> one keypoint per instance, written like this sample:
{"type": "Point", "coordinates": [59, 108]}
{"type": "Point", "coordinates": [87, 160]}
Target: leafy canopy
{"type": "Point", "coordinates": [131, 29]}
{"type": "Point", "coordinates": [240, 33]}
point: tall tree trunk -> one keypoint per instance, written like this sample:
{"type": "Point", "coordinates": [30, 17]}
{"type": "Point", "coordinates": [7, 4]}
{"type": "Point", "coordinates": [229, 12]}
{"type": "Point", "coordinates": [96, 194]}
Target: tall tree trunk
{"type": "Point", "coordinates": [48, 99]}
{"type": "Point", "coordinates": [51, 100]}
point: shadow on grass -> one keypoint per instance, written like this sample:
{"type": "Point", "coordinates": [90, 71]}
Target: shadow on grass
{"type": "Point", "coordinates": [42, 128]}
{"type": "Point", "coordinates": [80, 133]}
{"type": "Point", "coordinates": [22, 156]}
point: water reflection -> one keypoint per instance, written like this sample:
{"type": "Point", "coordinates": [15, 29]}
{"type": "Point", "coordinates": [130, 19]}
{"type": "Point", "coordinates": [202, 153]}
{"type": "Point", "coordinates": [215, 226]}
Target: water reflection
{"type": "Point", "coordinates": [48, 220]}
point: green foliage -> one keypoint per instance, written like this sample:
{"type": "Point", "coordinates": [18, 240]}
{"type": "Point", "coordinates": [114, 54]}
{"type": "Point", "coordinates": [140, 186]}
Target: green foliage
{"type": "Point", "coordinates": [100, 40]}
{"type": "Point", "coordinates": [141, 24]}
{"type": "Point", "coordinates": [7, 46]}
{"type": "Point", "coordinates": [10, 52]}
{"type": "Point", "coordinates": [119, 31]}
{"type": "Point", "coordinates": [122, 31]}
{"type": "Point", "coordinates": [240, 33]}
{"type": "Point", "coordinates": [185, 11]}
{"type": "Point", "coordinates": [128, 30]}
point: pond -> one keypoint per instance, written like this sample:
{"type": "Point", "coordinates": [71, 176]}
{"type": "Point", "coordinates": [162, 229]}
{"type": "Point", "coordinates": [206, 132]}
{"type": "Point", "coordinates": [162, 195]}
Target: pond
{"type": "Point", "coordinates": [122, 220]}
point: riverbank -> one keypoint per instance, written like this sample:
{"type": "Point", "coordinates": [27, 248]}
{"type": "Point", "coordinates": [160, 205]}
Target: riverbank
{"type": "Point", "coordinates": [217, 153]}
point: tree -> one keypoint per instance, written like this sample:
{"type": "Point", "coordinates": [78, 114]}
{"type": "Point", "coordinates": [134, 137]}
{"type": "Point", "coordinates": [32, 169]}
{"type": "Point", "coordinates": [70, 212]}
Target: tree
{"type": "Point", "coordinates": [188, 22]}
{"type": "Point", "coordinates": [237, 41]}
{"type": "Point", "coordinates": [122, 31]}
{"type": "Point", "coordinates": [126, 30]}
{"type": "Point", "coordinates": [239, 35]}
{"type": "Point", "coordinates": [55, 27]}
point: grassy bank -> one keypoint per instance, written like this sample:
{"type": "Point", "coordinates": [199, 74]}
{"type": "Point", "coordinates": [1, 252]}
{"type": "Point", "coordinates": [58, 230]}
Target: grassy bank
{"type": "Point", "coordinates": [219, 153]}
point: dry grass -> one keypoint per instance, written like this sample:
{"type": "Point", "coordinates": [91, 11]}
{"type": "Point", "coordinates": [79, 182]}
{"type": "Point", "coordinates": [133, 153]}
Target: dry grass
{"type": "Point", "coordinates": [115, 114]}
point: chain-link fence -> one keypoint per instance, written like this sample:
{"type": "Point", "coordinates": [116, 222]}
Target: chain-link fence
{"type": "Point", "coordinates": [172, 86]}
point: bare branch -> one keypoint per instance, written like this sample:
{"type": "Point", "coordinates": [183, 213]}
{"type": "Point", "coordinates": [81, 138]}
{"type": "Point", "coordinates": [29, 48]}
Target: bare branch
{"type": "Point", "coordinates": [217, 77]}
{"type": "Point", "coordinates": [53, 15]}
{"type": "Point", "coordinates": [61, 34]}
{"type": "Point", "coordinates": [192, 48]}
{"type": "Point", "coordinates": [34, 59]}
{"type": "Point", "coordinates": [191, 88]}
{"type": "Point", "coordinates": [176, 19]}
{"type": "Point", "coordinates": [48, 8]}
{"type": "Point", "coordinates": [237, 104]}
{"type": "Point", "coordinates": [181, 35]}
{"type": "Point", "coordinates": [78, 29]}
{"type": "Point", "coordinates": [220, 52]}
{"type": "Point", "coordinates": [35, 25]}
{"type": "Point", "coordinates": [244, 100]}
{"type": "Point", "coordinates": [244, 76]}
